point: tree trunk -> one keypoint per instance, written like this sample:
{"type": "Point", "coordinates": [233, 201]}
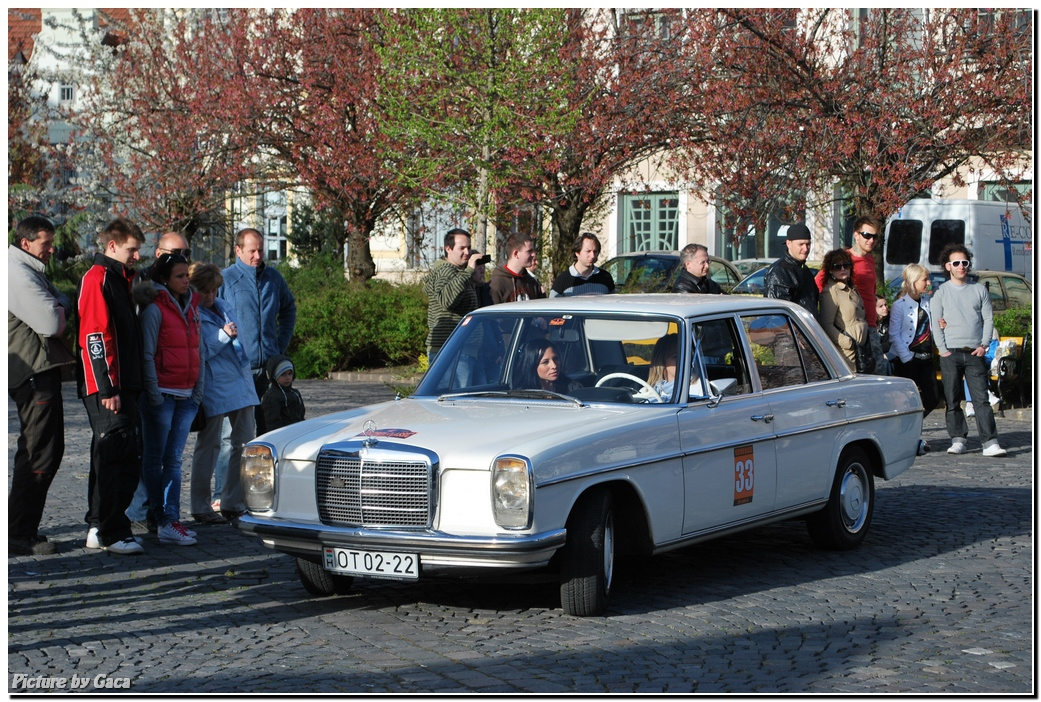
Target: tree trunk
{"type": "Point", "coordinates": [479, 238]}
{"type": "Point", "coordinates": [566, 217]}
{"type": "Point", "coordinates": [360, 265]}
{"type": "Point", "coordinates": [759, 224]}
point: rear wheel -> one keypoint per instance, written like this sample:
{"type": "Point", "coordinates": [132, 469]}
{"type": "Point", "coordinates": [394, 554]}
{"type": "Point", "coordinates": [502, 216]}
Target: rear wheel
{"type": "Point", "coordinates": [587, 563]}
{"type": "Point", "coordinates": [844, 521]}
{"type": "Point", "coordinates": [320, 582]}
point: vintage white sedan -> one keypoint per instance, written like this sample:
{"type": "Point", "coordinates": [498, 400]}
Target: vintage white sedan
{"type": "Point", "coordinates": [556, 434]}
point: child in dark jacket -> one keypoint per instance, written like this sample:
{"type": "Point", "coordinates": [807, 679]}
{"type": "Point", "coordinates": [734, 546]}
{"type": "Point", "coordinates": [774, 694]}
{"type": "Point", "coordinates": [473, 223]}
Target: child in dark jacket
{"type": "Point", "coordinates": [282, 404]}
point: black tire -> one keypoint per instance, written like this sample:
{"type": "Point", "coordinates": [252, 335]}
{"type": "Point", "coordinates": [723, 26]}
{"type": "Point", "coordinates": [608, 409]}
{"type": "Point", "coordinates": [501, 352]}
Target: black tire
{"type": "Point", "coordinates": [320, 582]}
{"type": "Point", "coordinates": [587, 562]}
{"type": "Point", "coordinates": [844, 521]}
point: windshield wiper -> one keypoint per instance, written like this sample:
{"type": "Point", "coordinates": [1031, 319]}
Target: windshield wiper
{"type": "Point", "coordinates": [529, 394]}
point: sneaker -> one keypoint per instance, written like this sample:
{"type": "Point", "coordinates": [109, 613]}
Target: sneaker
{"type": "Point", "coordinates": [969, 411]}
{"type": "Point", "coordinates": [190, 532]}
{"type": "Point", "coordinates": [92, 539]}
{"type": "Point", "coordinates": [126, 547]}
{"type": "Point", "coordinates": [958, 446]}
{"type": "Point", "coordinates": [215, 505]}
{"type": "Point", "coordinates": [994, 449]}
{"type": "Point", "coordinates": [175, 533]}
{"type": "Point", "coordinates": [36, 546]}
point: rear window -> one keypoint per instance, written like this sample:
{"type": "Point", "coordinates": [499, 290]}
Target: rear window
{"type": "Point", "coordinates": [904, 242]}
{"type": "Point", "coordinates": [943, 232]}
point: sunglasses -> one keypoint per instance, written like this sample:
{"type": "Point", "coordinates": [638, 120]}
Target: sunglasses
{"type": "Point", "coordinates": [187, 253]}
{"type": "Point", "coordinates": [869, 237]}
{"type": "Point", "coordinates": [841, 266]}
{"type": "Point", "coordinates": [959, 263]}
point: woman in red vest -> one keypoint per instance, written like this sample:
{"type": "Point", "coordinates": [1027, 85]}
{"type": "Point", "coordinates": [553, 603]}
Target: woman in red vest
{"type": "Point", "coordinates": [173, 376]}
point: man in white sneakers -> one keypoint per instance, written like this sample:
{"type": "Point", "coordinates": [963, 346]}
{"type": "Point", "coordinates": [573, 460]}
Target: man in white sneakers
{"type": "Point", "coordinates": [962, 325]}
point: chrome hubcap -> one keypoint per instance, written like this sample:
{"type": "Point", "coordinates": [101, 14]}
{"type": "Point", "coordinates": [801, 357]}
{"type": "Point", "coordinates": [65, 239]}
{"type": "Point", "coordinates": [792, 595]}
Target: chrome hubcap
{"type": "Point", "coordinates": [854, 498]}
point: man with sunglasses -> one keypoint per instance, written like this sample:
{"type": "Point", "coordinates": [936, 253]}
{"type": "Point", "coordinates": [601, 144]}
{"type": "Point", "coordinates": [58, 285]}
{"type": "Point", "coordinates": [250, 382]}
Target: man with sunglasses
{"type": "Point", "coordinates": [168, 243]}
{"type": "Point", "coordinates": [962, 326]}
{"type": "Point", "coordinates": [865, 238]}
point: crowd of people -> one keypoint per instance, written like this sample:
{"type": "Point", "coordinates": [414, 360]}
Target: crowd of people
{"type": "Point", "coordinates": [455, 285]}
{"type": "Point", "coordinates": [842, 296]}
{"type": "Point", "coordinates": [957, 322]}
{"type": "Point", "coordinates": [184, 346]}
{"type": "Point", "coordinates": [159, 350]}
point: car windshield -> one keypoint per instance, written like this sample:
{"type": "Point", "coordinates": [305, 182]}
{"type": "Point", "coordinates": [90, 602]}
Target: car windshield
{"type": "Point", "coordinates": [595, 358]}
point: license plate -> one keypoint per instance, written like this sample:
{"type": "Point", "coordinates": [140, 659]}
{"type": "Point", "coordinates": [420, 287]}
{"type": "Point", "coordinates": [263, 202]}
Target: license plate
{"type": "Point", "coordinates": [376, 564]}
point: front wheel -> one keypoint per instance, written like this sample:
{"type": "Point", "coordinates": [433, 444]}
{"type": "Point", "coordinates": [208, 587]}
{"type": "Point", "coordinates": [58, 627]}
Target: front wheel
{"type": "Point", "coordinates": [844, 521]}
{"type": "Point", "coordinates": [587, 563]}
{"type": "Point", "coordinates": [320, 582]}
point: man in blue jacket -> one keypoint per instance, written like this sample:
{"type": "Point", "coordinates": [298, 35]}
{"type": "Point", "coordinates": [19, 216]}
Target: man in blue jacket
{"type": "Point", "coordinates": [264, 306]}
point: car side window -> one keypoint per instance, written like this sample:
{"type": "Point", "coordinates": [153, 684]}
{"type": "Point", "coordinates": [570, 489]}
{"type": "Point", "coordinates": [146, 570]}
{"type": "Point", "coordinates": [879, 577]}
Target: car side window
{"type": "Point", "coordinates": [811, 360]}
{"type": "Point", "coordinates": [1018, 292]}
{"type": "Point", "coordinates": [997, 299]}
{"type": "Point", "coordinates": [721, 274]}
{"type": "Point", "coordinates": [721, 354]}
{"type": "Point", "coordinates": [775, 351]}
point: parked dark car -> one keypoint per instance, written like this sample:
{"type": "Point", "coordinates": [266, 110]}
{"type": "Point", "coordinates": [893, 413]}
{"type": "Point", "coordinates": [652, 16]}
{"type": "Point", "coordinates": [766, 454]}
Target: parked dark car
{"type": "Point", "coordinates": [656, 271]}
{"type": "Point", "coordinates": [753, 284]}
{"type": "Point", "coordinates": [748, 266]}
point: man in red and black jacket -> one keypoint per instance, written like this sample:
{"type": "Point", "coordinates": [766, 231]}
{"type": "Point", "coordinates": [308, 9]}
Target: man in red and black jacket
{"type": "Point", "coordinates": [110, 381]}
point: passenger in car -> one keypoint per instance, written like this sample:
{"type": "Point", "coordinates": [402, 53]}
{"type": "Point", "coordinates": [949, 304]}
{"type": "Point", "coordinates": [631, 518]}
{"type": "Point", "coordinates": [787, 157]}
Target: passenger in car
{"type": "Point", "coordinates": [662, 376]}
{"type": "Point", "coordinates": [542, 367]}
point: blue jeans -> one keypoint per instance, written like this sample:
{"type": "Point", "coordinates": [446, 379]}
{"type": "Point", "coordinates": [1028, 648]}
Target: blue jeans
{"type": "Point", "coordinates": [138, 509]}
{"type": "Point", "coordinates": [959, 366]}
{"type": "Point", "coordinates": [164, 431]}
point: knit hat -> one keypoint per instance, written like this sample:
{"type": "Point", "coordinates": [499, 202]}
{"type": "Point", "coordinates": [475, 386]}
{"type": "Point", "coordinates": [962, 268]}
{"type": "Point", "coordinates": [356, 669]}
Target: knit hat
{"type": "Point", "coordinates": [284, 365]}
{"type": "Point", "coordinates": [798, 232]}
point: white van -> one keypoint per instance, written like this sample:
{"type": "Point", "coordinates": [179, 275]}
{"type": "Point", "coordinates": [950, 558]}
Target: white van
{"type": "Point", "coordinates": [998, 235]}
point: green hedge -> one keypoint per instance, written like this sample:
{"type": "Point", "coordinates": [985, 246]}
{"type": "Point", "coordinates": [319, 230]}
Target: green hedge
{"type": "Point", "coordinates": [1014, 322]}
{"type": "Point", "coordinates": [343, 326]}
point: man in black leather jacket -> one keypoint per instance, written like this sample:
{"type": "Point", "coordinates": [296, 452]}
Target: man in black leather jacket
{"type": "Point", "coordinates": [788, 278]}
{"type": "Point", "coordinates": [694, 277]}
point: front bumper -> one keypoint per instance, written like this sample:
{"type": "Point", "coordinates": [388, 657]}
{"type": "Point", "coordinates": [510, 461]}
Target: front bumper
{"type": "Point", "coordinates": [439, 553]}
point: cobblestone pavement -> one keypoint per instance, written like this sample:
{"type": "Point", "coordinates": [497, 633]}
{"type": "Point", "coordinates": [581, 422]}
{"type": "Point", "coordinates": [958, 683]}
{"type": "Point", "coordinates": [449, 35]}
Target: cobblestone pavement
{"type": "Point", "coordinates": [939, 599]}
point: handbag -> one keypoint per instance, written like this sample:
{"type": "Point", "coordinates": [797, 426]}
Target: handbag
{"type": "Point", "coordinates": [922, 341]}
{"type": "Point", "coordinates": [865, 360]}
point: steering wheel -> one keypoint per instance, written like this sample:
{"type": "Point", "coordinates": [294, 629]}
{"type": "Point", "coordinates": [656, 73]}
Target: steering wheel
{"type": "Point", "coordinates": [639, 381]}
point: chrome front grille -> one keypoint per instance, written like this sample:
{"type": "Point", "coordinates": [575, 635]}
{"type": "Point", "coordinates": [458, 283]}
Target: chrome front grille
{"type": "Point", "coordinates": [353, 491]}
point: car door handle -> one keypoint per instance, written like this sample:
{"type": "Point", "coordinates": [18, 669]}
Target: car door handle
{"type": "Point", "coordinates": [762, 418]}
{"type": "Point", "coordinates": [836, 403]}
